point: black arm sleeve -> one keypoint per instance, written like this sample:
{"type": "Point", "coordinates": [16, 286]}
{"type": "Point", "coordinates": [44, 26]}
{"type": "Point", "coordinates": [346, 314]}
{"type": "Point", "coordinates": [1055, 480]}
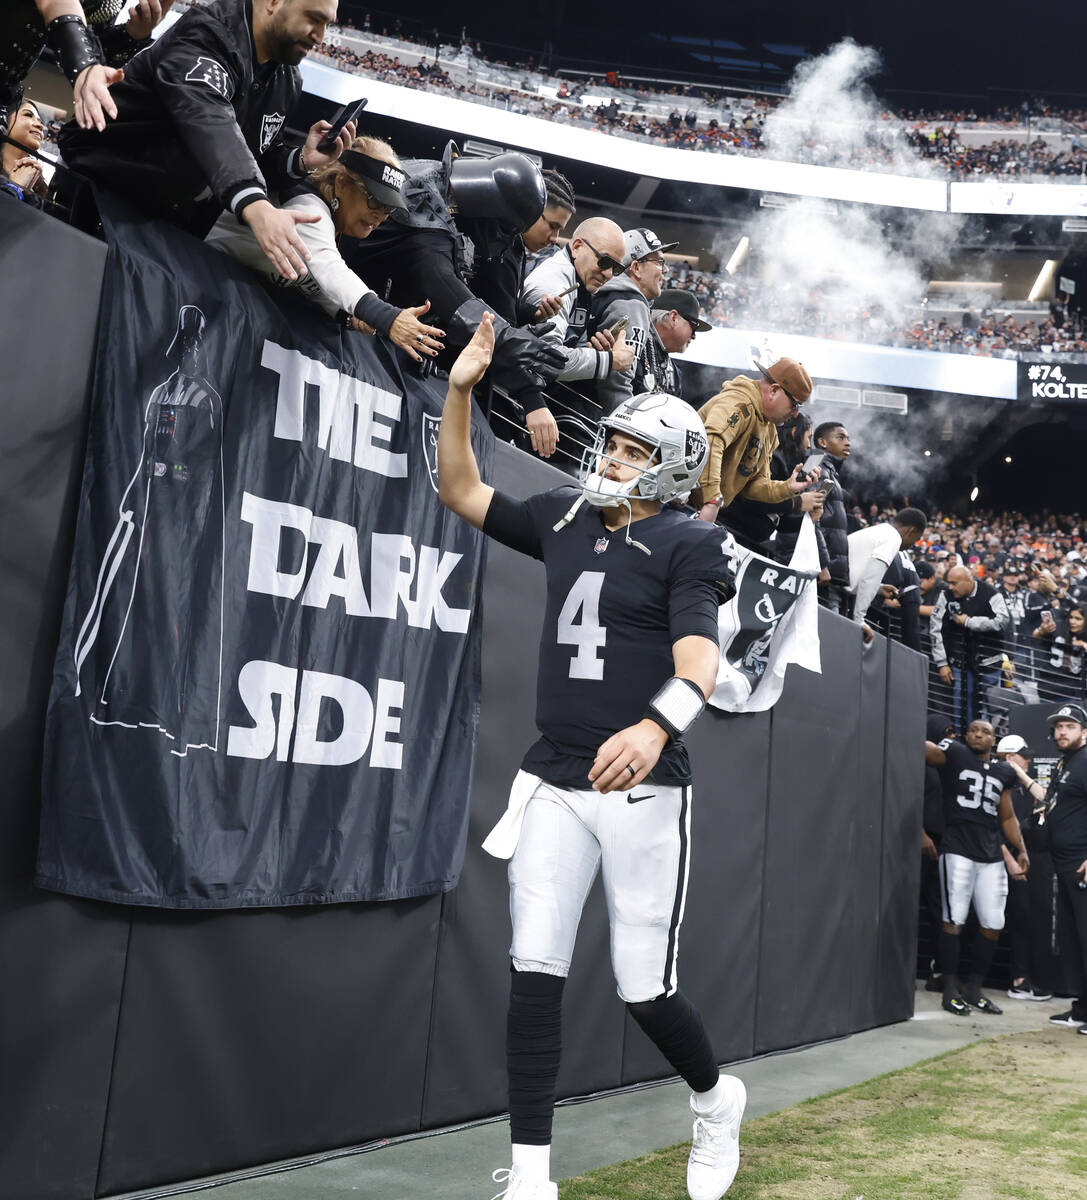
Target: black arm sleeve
{"type": "Point", "coordinates": [118, 45]}
{"type": "Point", "coordinates": [692, 609]}
{"type": "Point", "coordinates": [510, 522]}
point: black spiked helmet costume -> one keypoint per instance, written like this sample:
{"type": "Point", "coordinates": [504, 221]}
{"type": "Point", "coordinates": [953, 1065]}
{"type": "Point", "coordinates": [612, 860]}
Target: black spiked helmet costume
{"type": "Point", "coordinates": [461, 214]}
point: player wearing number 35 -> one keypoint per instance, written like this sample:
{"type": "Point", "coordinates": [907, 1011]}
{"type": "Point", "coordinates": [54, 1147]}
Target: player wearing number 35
{"type": "Point", "coordinates": [978, 819]}
{"type": "Point", "coordinates": [627, 658]}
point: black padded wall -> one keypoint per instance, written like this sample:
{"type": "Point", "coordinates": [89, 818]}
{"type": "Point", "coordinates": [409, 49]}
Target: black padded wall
{"type": "Point", "coordinates": [61, 961]}
{"type": "Point", "coordinates": [143, 1049]}
{"type": "Point", "coordinates": [900, 877]}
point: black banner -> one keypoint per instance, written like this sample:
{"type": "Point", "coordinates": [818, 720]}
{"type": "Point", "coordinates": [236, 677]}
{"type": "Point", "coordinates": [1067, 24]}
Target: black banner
{"type": "Point", "coordinates": [1041, 380]}
{"type": "Point", "coordinates": [267, 683]}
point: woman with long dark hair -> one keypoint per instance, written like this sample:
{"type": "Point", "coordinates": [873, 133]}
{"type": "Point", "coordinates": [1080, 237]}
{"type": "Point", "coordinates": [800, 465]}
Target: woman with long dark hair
{"type": "Point", "coordinates": [20, 172]}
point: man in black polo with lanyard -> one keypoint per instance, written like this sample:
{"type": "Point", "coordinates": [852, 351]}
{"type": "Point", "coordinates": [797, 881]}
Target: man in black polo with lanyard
{"type": "Point", "coordinates": [1066, 802]}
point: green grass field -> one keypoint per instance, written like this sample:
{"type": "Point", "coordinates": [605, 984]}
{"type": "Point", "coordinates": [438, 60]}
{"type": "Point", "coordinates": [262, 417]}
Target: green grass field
{"type": "Point", "coordinates": [1002, 1118]}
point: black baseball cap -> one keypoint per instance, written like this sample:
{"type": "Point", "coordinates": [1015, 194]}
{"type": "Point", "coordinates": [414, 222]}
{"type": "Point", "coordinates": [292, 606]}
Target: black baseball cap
{"type": "Point", "coordinates": [685, 303]}
{"type": "Point", "coordinates": [1069, 712]}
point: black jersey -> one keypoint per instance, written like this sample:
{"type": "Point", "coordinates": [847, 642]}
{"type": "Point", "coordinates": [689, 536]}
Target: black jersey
{"type": "Point", "coordinates": [613, 613]}
{"type": "Point", "coordinates": [972, 791]}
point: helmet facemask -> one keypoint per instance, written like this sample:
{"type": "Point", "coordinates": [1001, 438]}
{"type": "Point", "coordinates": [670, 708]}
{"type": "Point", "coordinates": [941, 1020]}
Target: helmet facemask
{"type": "Point", "coordinates": [602, 492]}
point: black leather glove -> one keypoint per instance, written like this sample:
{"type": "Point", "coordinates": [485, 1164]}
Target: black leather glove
{"type": "Point", "coordinates": [521, 361]}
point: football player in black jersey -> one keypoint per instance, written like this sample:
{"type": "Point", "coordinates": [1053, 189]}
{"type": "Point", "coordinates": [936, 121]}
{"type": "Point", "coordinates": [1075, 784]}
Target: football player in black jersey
{"type": "Point", "coordinates": [628, 655]}
{"type": "Point", "coordinates": [977, 810]}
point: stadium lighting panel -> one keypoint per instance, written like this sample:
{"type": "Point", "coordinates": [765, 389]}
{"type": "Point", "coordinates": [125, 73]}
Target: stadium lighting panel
{"type": "Point", "coordinates": [896, 402]}
{"type": "Point", "coordinates": [809, 203]}
{"type": "Point", "coordinates": [474, 148]}
{"type": "Point", "coordinates": [837, 395]}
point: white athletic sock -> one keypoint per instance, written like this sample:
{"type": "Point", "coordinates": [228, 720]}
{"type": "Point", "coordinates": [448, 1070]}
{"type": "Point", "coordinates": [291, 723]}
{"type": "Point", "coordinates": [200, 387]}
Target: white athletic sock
{"type": "Point", "coordinates": [706, 1102]}
{"type": "Point", "coordinates": [532, 1162]}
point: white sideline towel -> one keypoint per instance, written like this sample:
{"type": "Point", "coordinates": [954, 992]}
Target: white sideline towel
{"type": "Point", "coordinates": [502, 840]}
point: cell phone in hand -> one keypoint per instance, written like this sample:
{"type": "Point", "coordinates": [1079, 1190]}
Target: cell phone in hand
{"type": "Point", "coordinates": [813, 461]}
{"type": "Point", "coordinates": [350, 112]}
{"type": "Point", "coordinates": [572, 288]}
{"type": "Point", "coordinates": [616, 329]}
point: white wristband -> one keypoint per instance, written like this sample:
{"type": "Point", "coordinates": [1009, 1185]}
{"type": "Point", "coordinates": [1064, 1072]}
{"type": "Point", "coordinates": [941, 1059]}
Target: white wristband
{"type": "Point", "coordinates": [677, 706]}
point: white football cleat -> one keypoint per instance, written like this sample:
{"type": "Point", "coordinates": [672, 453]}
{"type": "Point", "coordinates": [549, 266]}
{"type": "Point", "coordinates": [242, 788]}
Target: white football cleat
{"type": "Point", "coordinates": [519, 1188]}
{"type": "Point", "coordinates": [715, 1146]}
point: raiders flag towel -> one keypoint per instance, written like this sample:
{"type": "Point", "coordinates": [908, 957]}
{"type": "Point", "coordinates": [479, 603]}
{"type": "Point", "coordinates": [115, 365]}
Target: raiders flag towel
{"type": "Point", "coordinates": [772, 621]}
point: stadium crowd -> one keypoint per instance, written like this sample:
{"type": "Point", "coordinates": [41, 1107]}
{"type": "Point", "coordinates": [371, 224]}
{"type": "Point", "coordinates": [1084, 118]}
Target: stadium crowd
{"type": "Point", "coordinates": [738, 131]}
{"type": "Point", "coordinates": [739, 302]}
{"type": "Point", "coordinates": [734, 124]}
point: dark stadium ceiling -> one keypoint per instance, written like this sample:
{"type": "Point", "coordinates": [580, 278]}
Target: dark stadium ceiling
{"type": "Point", "coordinates": [993, 51]}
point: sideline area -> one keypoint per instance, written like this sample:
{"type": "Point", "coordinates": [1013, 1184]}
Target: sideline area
{"type": "Point", "coordinates": [456, 1164]}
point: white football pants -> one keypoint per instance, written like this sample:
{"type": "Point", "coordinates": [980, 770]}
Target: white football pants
{"type": "Point", "coordinates": [986, 884]}
{"type": "Point", "coordinates": [640, 842]}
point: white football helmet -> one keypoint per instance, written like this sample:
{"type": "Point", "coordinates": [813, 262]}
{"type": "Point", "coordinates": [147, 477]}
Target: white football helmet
{"type": "Point", "coordinates": [673, 432]}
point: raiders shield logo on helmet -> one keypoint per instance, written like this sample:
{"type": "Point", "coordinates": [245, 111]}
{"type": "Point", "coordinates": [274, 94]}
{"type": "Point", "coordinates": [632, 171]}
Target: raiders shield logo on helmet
{"type": "Point", "coordinates": [695, 449]}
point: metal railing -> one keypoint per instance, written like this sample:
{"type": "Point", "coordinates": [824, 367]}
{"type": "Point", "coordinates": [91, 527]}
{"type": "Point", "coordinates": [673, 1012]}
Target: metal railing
{"type": "Point", "coordinates": [1032, 670]}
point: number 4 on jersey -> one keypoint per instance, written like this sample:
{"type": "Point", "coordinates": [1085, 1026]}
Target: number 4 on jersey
{"type": "Point", "coordinates": [587, 634]}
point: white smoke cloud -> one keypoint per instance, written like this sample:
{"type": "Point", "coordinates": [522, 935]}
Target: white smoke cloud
{"type": "Point", "coordinates": [847, 271]}
{"type": "Point", "coordinates": [832, 117]}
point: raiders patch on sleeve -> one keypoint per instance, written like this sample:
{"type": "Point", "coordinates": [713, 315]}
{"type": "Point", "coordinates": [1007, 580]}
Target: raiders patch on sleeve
{"type": "Point", "coordinates": [207, 70]}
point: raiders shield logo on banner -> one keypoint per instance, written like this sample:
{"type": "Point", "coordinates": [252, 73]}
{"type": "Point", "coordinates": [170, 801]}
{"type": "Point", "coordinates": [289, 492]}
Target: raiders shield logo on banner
{"type": "Point", "coordinates": [764, 596]}
{"type": "Point", "coordinates": [429, 430]}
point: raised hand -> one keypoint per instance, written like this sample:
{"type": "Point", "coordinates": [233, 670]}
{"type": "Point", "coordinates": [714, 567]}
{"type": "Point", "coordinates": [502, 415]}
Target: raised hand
{"type": "Point", "coordinates": [475, 358]}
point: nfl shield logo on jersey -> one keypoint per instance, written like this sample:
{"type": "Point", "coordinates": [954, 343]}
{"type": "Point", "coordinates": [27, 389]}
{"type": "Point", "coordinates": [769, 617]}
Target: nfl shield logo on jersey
{"type": "Point", "coordinates": [601, 545]}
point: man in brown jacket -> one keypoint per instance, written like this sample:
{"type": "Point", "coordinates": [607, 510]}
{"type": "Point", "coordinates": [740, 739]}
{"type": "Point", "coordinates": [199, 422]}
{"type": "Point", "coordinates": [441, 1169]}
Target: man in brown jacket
{"type": "Point", "coordinates": [742, 421]}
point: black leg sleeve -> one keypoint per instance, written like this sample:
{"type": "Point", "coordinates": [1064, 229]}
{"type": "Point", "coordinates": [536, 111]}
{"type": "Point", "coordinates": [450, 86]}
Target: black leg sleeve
{"type": "Point", "coordinates": [675, 1027]}
{"type": "Point", "coordinates": [533, 1049]}
{"type": "Point", "coordinates": [981, 957]}
{"type": "Point", "coordinates": [947, 958]}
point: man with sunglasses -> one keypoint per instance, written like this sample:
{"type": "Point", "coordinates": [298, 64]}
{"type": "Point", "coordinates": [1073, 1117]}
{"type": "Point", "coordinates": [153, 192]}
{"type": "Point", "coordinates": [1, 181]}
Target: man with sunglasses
{"type": "Point", "coordinates": [628, 297]}
{"type": "Point", "coordinates": [742, 421]}
{"type": "Point", "coordinates": [593, 255]}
